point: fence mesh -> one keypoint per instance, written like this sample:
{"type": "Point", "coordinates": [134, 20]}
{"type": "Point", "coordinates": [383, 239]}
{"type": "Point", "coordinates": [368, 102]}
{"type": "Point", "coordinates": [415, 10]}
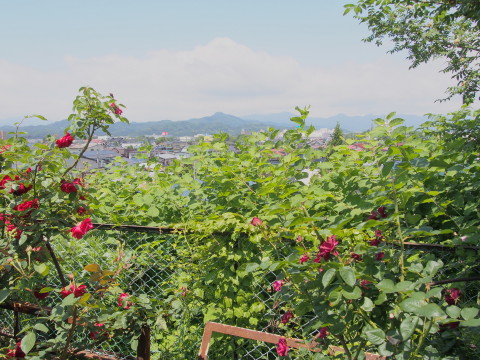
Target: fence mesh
{"type": "Point", "coordinates": [159, 267]}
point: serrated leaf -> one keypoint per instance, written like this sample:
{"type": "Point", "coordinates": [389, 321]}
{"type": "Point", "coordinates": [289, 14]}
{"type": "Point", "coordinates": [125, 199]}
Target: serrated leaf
{"type": "Point", "coordinates": [327, 277]}
{"type": "Point", "coordinates": [387, 286]}
{"type": "Point", "coordinates": [471, 322]}
{"type": "Point", "coordinates": [407, 327]}
{"type": "Point", "coordinates": [28, 342]}
{"type": "Point", "coordinates": [404, 286]}
{"type": "Point", "coordinates": [411, 305]}
{"type": "Point", "coordinates": [430, 311]}
{"type": "Point", "coordinates": [41, 327]}
{"type": "Point", "coordinates": [469, 313]}
{"type": "Point", "coordinates": [453, 311]}
{"type": "Point", "coordinates": [367, 304]}
{"type": "Point", "coordinates": [375, 336]}
{"type": "Point", "coordinates": [4, 295]}
{"type": "Point", "coordinates": [348, 275]}
{"type": "Point", "coordinates": [42, 269]}
{"type": "Point", "coordinates": [355, 294]}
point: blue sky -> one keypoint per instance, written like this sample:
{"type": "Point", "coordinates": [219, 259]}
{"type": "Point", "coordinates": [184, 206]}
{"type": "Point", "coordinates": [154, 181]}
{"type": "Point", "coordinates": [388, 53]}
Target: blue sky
{"type": "Point", "coordinates": [182, 59]}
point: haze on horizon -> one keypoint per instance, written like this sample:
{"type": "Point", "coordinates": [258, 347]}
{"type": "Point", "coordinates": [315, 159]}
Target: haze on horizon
{"type": "Point", "coordinates": [190, 59]}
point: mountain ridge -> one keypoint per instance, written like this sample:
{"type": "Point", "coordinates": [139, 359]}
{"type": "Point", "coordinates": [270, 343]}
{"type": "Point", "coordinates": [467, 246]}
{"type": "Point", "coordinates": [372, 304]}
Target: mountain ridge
{"type": "Point", "coordinates": [217, 122]}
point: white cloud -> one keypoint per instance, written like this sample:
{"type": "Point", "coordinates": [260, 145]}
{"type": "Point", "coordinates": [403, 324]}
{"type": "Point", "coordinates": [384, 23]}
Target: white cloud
{"type": "Point", "coordinates": [224, 76]}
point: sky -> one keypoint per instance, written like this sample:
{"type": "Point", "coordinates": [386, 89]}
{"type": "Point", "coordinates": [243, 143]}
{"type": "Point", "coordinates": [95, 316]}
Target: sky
{"type": "Point", "coordinates": [185, 59]}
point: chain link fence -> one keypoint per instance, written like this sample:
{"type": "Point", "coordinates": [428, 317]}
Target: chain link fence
{"type": "Point", "coordinates": [162, 267]}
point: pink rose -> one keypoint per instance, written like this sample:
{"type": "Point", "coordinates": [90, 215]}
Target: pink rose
{"type": "Point", "coordinates": [256, 221]}
{"type": "Point", "coordinates": [277, 285]}
{"type": "Point", "coordinates": [286, 317]}
{"type": "Point", "coordinates": [282, 347]}
{"type": "Point", "coordinates": [122, 301]}
{"type": "Point", "coordinates": [304, 258]}
{"type": "Point", "coordinates": [116, 109]}
{"type": "Point", "coordinates": [326, 249]}
{"type": "Point", "coordinates": [65, 141]}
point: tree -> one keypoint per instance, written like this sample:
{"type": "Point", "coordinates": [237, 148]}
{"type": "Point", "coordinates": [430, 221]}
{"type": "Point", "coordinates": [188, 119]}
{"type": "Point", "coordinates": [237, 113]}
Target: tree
{"type": "Point", "coordinates": [337, 136]}
{"type": "Point", "coordinates": [427, 30]}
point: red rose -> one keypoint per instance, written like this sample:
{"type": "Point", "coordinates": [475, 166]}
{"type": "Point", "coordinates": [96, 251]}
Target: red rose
{"type": "Point", "coordinates": [16, 353]}
{"type": "Point", "coordinates": [452, 295]}
{"type": "Point", "coordinates": [282, 347]}
{"type": "Point", "coordinates": [323, 333]}
{"type": "Point", "coordinates": [22, 189]}
{"type": "Point", "coordinates": [39, 295]}
{"type": "Point", "coordinates": [81, 228]}
{"type": "Point", "coordinates": [72, 289]}
{"type": "Point", "coordinates": [379, 256]}
{"type": "Point", "coordinates": [32, 204]}
{"type": "Point", "coordinates": [65, 141]}
{"type": "Point", "coordinates": [356, 257]}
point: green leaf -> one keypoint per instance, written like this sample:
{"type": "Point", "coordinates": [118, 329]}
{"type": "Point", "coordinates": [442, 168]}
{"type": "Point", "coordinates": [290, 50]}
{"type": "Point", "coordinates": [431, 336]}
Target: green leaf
{"type": "Point", "coordinates": [4, 294]}
{"type": "Point", "coordinates": [355, 294]}
{"type": "Point", "coordinates": [430, 311]}
{"type": "Point", "coordinates": [453, 311]}
{"type": "Point", "coordinates": [411, 305]}
{"type": "Point", "coordinates": [348, 275]}
{"type": "Point", "coordinates": [153, 212]}
{"type": "Point", "coordinates": [404, 286]}
{"type": "Point", "coordinates": [28, 342]}
{"type": "Point", "coordinates": [41, 327]}
{"type": "Point", "coordinates": [42, 269]}
{"type": "Point", "coordinates": [161, 323]}
{"type": "Point", "coordinates": [469, 313]}
{"type": "Point", "coordinates": [387, 286]}
{"type": "Point", "coordinates": [327, 277]}
{"type": "Point", "coordinates": [471, 322]}
{"type": "Point", "coordinates": [69, 300]}
{"type": "Point", "coordinates": [375, 336]}
{"type": "Point", "coordinates": [367, 304]}
{"type": "Point", "coordinates": [250, 267]}
{"type": "Point", "coordinates": [407, 327]}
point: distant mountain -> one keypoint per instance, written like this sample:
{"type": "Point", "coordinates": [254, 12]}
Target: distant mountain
{"type": "Point", "coordinates": [347, 123]}
{"type": "Point", "coordinates": [218, 122]}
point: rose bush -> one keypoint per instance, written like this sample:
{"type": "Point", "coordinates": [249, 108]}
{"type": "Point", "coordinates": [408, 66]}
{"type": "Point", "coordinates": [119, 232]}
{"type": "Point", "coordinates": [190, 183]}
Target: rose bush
{"type": "Point", "coordinates": [41, 197]}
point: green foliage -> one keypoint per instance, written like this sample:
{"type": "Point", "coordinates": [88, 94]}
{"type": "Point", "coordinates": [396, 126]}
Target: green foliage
{"type": "Point", "coordinates": [337, 136]}
{"type": "Point", "coordinates": [428, 30]}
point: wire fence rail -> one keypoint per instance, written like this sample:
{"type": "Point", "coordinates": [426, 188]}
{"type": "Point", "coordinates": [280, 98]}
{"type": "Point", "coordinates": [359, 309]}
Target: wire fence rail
{"type": "Point", "coordinates": [158, 269]}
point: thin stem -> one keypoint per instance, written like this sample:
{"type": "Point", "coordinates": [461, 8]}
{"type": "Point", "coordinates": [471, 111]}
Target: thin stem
{"type": "Point", "coordinates": [344, 344]}
{"type": "Point", "coordinates": [399, 232]}
{"type": "Point", "coordinates": [55, 262]}
{"type": "Point", "coordinates": [70, 334]}
{"type": "Point", "coordinates": [90, 137]}
{"type": "Point", "coordinates": [362, 345]}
